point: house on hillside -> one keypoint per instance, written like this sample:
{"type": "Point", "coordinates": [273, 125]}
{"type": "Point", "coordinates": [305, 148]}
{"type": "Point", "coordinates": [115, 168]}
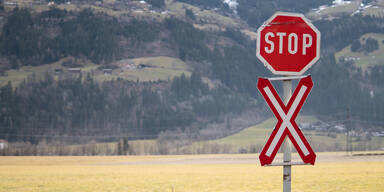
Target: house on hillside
{"type": "Point", "coordinates": [142, 66]}
{"type": "Point", "coordinates": [58, 71]}
{"type": "Point", "coordinates": [10, 3]}
{"type": "Point", "coordinates": [306, 126]}
{"type": "Point", "coordinates": [3, 144]}
{"type": "Point", "coordinates": [74, 70]}
{"type": "Point", "coordinates": [51, 4]}
{"type": "Point", "coordinates": [107, 71]}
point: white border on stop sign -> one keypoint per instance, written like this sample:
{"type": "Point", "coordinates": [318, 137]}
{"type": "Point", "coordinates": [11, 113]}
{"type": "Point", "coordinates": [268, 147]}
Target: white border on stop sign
{"type": "Point", "coordinates": [265, 62]}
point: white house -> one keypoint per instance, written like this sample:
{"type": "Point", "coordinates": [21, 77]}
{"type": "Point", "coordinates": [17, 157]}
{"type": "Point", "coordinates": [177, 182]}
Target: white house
{"type": "Point", "coordinates": [3, 144]}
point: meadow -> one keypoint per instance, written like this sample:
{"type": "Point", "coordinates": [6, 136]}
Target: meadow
{"type": "Point", "coordinates": [159, 68]}
{"type": "Point", "coordinates": [236, 172]}
{"type": "Point", "coordinates": [253, 138]}
{"type": "Point", "coordinates": [365, 60]}
{"type": "Point", "coordinates": [16, 76]}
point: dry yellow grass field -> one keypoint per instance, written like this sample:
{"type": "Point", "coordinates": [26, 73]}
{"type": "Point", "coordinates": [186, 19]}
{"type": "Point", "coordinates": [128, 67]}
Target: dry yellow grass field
{"type": "Point", "coordinates": [333, 172]}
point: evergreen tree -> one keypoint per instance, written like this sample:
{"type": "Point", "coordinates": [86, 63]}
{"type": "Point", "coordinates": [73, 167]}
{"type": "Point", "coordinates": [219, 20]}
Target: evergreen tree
{"type": "Point", "coordinates": [356, 46]}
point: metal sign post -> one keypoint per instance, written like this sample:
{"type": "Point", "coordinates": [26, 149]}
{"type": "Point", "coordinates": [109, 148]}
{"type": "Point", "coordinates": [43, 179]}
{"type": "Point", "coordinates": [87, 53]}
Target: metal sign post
{"type": "Point", "coordinates": [287, 44]}
{"type": "Point", "coordinates": [287, 88]}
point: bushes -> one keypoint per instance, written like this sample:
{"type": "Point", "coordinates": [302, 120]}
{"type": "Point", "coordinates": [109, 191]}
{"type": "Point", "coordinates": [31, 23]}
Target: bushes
{"type": "Point", "coordinates": [356, 46]}
{"type": "Point", "coordinates": [370, 45]}
{"type": "Point", "coordinates": [189, 14]}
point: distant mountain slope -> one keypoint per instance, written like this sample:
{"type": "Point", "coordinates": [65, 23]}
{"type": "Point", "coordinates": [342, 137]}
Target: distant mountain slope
{"type": "Point", "coordinates": [177, 67]}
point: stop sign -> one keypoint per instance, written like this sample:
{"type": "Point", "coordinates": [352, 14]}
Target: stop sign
{"type": "Point", "coordinates": [288, 44]}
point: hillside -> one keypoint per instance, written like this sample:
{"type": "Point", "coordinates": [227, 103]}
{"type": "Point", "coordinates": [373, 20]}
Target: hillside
{"type": "Point", "coordinates": [340, 7]}
{"type": "Point", "coordinates": [141, 69]}
{"type": "Point", "coordinates": [362, 58]}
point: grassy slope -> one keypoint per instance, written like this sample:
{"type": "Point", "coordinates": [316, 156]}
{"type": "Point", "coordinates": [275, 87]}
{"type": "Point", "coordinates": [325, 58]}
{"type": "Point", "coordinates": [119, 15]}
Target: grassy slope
{"type": "Point", "coordinates": [374, 58]}
{"type": "Point", "coordinates": [173, 8]}
{"type": "Point", "coordinates": [377, 10]}
{"type": "Point", "coordinates": [257, 135]}
{"type": "Point", "coordinates": [252, 136]}
{"type": "Point", "coordinates": [162, 68]}
{"type": "Point", "coordinates": [374, 11]}
{"type": "Point", "coordinates": [212, 18]}
{"type": "Point", "coordinates": [349, 8]}
{"type": "Point", "coordinates": [334, 11]}
{"type": "Point", "coordinates": [21, 74]}
{"type": "Point", "coordinates": [69, 7]}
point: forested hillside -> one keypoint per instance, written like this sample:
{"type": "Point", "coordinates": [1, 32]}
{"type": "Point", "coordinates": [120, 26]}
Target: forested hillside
{"type": "Point", "coordinates": [256, 12]}
{"type": "Point", "coordinates": [78, 104]}
{"type": "Point", "coordinates": [342, 85]}
{"type": "Point", "coordinates": [54, 34]}
{"type": "Point", "coordinates": [81, 106]}
{"type": "Point", "coordinates": [223, 66]}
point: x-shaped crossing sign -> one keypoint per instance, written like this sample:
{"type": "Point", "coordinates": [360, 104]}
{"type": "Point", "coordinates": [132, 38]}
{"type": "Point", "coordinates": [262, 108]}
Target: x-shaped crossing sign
{"type": "Point", "coordinates": [286, 125]}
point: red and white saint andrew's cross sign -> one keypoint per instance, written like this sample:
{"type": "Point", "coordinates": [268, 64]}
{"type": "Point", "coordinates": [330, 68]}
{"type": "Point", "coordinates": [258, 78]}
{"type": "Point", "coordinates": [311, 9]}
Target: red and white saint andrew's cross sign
{"type": "Point", "coordinates": [286, 124]}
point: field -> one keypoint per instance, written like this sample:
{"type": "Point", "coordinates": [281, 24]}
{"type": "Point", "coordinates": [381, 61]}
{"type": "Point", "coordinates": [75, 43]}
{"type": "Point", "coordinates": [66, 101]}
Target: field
{"type": "Point", "coordinates": [253, 139]}
{"type": "Point", "coordinates": [16, 76]}
{"type": "Point", "coordinates": [365, 60]}
{"type": "Point", "coordinates": [262, 131]}
{"type": "Point", "coordinates": [332, 172]}
{"type": "Point", "coordinates": [158, 68]}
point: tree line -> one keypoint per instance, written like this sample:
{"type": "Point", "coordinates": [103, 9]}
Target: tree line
{"type": "Point", "coordinates": [79, 105]}
{"type": "Point", "coordinates": [28, 39]}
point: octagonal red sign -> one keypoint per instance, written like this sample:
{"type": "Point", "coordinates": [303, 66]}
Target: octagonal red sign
{"type": "Point", "coordinates": [288, 44]}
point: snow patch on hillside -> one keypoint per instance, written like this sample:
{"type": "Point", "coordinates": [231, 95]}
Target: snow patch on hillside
{"type": "Point", "coordinates": [232, 4]}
